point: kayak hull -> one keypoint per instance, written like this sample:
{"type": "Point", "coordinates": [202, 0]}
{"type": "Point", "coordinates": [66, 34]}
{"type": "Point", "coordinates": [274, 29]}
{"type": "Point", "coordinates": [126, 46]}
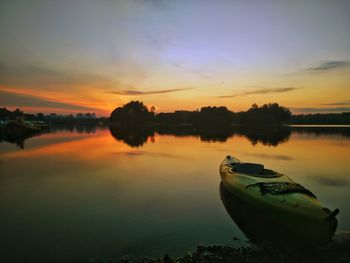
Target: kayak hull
{"type": "Point", "coordinates": [301, 215]}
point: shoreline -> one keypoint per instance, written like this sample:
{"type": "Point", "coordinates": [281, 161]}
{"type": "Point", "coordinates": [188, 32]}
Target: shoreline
{"type": "Point", "coordinates": [338, 250]}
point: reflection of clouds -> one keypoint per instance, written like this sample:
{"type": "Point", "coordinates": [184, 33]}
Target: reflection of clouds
{"type": "Point", "coordinates": [271, 156]}
{"type": "Point", "coordinates": [154, 154]}
{"type": "Point", "coordinates": [331, 181]}
{"type": "Point", "coordinates": [135, 153]}
{"type": "Point", "coordinates": [339, 143]}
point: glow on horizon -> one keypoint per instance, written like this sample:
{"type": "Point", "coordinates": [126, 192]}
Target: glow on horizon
{"type": "Point", "coordinates": [87, 56]}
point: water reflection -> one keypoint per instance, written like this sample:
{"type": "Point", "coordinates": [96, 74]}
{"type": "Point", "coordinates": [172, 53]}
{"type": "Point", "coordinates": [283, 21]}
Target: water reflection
{"type": "Point", "coordinates": [132, 136]}
{"type": "Point", "coordinates": [100, 196]}
{"type": "Point", "coordinates": [267, 136]}
{"type": "Point", "coordinates": [323, 130]}
{"type": "Point", "coordinates": [20, 138]}
{"type": "Point", "coordinates": [329, 181]}
{"type": "Point", "coordinates": [16, 138]}
{"type": "Point", "coordinates": [86, 128]}
{"type": "Point", "coordinates": [137, 136]}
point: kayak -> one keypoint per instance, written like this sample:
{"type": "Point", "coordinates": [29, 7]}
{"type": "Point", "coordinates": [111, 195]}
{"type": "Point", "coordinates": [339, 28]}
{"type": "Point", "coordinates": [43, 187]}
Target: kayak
{"type": "Point", "coordinates": [279, 200]}
{"type": "Point", "coordinates": [255, 224]}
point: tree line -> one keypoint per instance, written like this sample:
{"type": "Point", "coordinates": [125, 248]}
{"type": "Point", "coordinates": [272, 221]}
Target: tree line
{"type": "Point", "coordinates": [136, 113]}
{"type": "Point", "coordinates": [270, 114]}
{"type": "Point", "coordinates": [325, 118]}
{"type": "Point", "coordinates": [6, 114]}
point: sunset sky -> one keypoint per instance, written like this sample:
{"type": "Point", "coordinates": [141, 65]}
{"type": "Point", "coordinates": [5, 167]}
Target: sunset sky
{"type": "Point", "coordinates": [92, 56]}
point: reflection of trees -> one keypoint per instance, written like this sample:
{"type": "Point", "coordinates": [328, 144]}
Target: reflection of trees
{"type": "Point", "coordinates": [16, 136]}
{"type": "Point", "coordinates": [319, 131]}
{"type": "Point", "coordinates": [177, 130]}
{"type": "Point", "coordinates": [208, 134]}
{"type": "Point", "coordinates": [86, 129]}
{"type": "Point", "coordinates": [270, 137]}
{"type": "Point", "coordinates": [79, 128]}
{"type": "Point", "coordinates": [134, 136]}
{"type": "Point", "coordinates": [217, 134]}
{"type": "Point", "coordinates": [137, 136]}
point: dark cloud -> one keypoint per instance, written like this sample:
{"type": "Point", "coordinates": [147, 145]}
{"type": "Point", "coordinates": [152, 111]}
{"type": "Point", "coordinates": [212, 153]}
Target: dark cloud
{"type": "Point", "coordinates": [339, 103]}
{"type": "Point", "coordinates": [331, 65]}
{"type": "Point", "coordinates": [329, 181]}
{"type": "Point", "coordinates": [31, 75]}
{"type": "Point", "coordinates": [12, 99]}
{"type": "Point", "coordinates": [140, 92]}
{"type": "Point", "coordinates": [324, 110]}
{"type": "Point", "coordinates": [260, 92]}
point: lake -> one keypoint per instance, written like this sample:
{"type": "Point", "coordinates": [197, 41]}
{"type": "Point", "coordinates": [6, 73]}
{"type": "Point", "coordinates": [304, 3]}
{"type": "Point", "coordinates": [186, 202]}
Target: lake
{"type": "Point", "coordinates": [90, 192]}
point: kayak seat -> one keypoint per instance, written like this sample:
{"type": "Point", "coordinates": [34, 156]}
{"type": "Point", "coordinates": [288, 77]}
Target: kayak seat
{"type": "Point", "coordinates": [254, 169]}
{"type": "Point", "coordinates": [248, 168]}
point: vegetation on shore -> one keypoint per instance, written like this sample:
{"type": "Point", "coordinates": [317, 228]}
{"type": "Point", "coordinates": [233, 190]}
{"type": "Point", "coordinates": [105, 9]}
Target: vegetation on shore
{"type": "Point", "coordinates": [52, 118]}
{"type": "Point", "coordinates": [325, 118]}
{"type": "Point", "coordinates": [135, 113]}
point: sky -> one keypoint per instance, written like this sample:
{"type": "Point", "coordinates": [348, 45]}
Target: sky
{"type": "Point", "coordinates": [74, 56]}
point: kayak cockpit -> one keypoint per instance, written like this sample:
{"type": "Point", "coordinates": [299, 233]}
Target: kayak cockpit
{"type": "Point", "coordinates": [254, 169]}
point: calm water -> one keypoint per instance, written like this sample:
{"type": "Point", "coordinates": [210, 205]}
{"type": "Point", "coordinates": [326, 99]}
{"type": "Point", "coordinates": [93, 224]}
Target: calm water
{"type": "Point", "coordinates": [76, 194]}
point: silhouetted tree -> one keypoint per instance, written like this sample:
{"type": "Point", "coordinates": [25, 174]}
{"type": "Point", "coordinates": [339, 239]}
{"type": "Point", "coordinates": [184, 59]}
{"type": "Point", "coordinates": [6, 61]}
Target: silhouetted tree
{"type": "Point", "coordinates": [214, 116]}
{"type": "Point", "coordinates": [268, 114]}
{"type": "Point", "coordinates": [178, 117]}
{"type": "Point", "coordinates": [6, 114]}
{"type": "Point", "coordinates": [29, 117]}
{"type": "Point", "coordinates": [40, 116]}
{"type": "Point", "coordinates": [132, 113]}
{"type": "Point", "coordinates": [326, 118]}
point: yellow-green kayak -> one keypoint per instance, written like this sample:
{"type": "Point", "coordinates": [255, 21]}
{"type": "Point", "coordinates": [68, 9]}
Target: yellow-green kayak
{"type": "Point", "coordinates": [279, 200]}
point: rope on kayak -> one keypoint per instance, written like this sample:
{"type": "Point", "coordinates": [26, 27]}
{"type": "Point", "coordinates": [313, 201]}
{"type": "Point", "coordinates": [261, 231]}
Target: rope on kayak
{"type": "Point", "coordinates": [276, 188]}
